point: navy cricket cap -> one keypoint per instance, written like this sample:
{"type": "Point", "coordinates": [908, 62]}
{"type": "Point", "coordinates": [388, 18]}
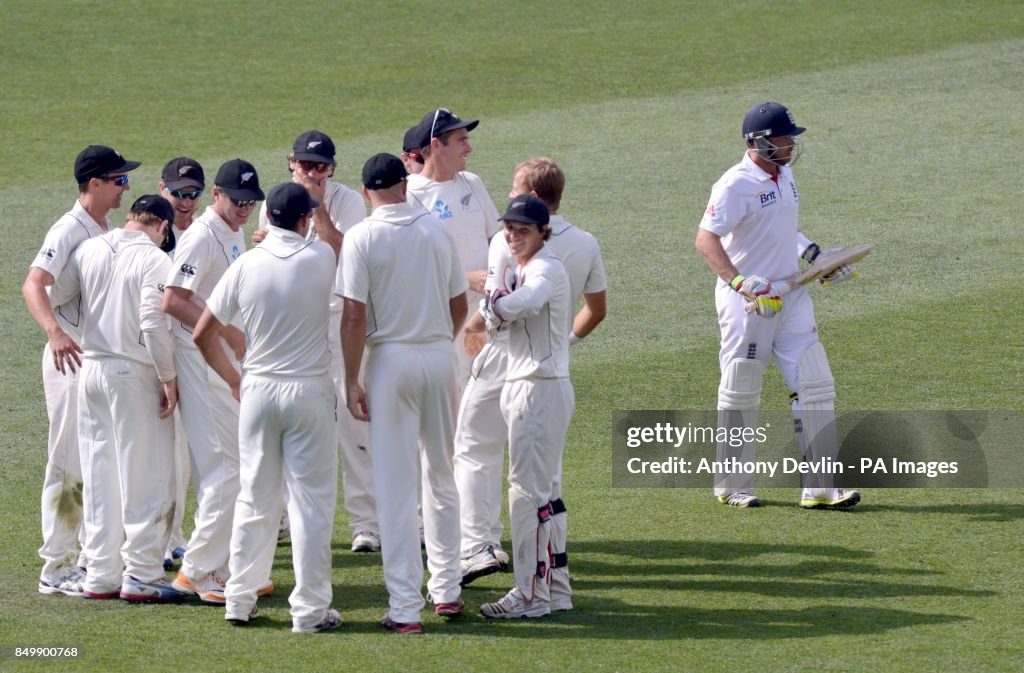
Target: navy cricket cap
{"type": "Point", "coordinates": [183, 172]}
{"type": "Point", "coordinates": [440, 121]}
{"type": "Point", "coordinates": [382, 171]}
{"type": "Point", "coordinates": [314, 146]}
{"type": "Point", "coordinates": [528, 209]}
{"type": "Point", "coordinates": [96, 161]}
{"type": "Point", "coordinates": [411, 140]}
{"type": "Point", "coordinates": [237, 178]}
{"type": "Point", "coordinates": [287, 203]}
{"type": "Point", "coordinates": [156, 205]}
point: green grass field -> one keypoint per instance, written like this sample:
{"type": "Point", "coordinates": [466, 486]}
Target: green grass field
{"type": "Point", "coordinates": [913, 112]}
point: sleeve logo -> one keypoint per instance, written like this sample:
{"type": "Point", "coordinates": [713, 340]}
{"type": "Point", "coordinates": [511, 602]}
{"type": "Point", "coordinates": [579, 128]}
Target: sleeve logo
{"type": "Point", "coordinates": [187, 270]}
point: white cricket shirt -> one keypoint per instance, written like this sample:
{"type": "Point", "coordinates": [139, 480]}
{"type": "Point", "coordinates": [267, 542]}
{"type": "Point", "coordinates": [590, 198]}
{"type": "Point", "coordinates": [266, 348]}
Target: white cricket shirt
{"type": "Point", "coordinates": [403, 264]}
{"type": "Point", "coordinates": [64, 236]}
{"type": "Point", "coordinates": [201, 257]}
{"type": "Point", "coordinates": [540, 313]}
{"type": "Point", "coordinates": [280, 289]}
{"type": "Point", "coordinates": [757, 218]}
{"type": "Point", "coordinates": [464, 206]}
{"type": "Point", "coordinates": [120, 279]}
{"type": "Point", "coordinates": [345, 207]}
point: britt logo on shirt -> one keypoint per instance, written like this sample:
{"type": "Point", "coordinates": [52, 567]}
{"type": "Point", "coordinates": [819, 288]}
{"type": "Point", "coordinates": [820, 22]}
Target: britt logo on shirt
{"type": "Point", "coordinates": [442, 210]}
{"type": "Point", "coordinates": [187, 270]}
{"type": "Point", "coordinates": [767, 197]}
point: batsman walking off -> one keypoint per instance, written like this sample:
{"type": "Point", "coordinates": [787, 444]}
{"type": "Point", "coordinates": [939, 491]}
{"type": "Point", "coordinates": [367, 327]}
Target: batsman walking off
{"type": "Point", "coordinates": [749, 235]}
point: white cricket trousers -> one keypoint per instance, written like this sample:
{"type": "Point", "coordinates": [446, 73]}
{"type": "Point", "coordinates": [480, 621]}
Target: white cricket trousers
{"type": "Point", "coordinates": [127, 451]}
{"type": "Point", "coordinates": [411, 395]}
{"type": "Point", "coordinates": [62, 484]}
{"type": "Point", "coordinates": [286, 434]}
{"type": "Point", "coordinates": [748, 336]}
{"type": "Point", "coordinates": [480, 437]}
{"type": "Point", "coordinates": [210, 416]}
{"type": "Point", "coordinates": [354, 443]}
{"type": "Point", "coordinates": [178, 478]}
{"type": "Point", "coordinates": [538, 412]}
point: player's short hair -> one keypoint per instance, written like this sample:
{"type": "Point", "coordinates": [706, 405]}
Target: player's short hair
{"type": "Point", "coordinates": [145, 218]}
{"type": "Point", "coordinates": [543, 176]}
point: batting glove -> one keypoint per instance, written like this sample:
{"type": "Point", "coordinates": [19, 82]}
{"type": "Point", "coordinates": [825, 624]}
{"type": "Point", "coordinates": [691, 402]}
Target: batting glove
{"type": "Point", "coordinates": [759, 291]}
{"type": "Point", "coordinates": [841, 275]}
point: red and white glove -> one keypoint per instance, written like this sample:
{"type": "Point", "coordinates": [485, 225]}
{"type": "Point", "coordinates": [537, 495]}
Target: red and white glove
{"type": "Point", "coordinates": [759, 291]}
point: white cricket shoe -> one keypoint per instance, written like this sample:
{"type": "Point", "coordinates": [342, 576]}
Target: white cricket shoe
{"type": "Point", "coordinates": [480, 564]}
{"type": "Point", "coordinates": [365, 541]}
{"type": "Point", "coordinates": [513, 606]}
{"type": "Point", "coordinates": [240, 617]}
{"type": "Point", "coordinates": [331, 621]}
{"type": "Point", "coordinates": [740, 499]}
{"type": "Point", "coordinates": [68, 582]}
{"type": "Point", "coordinates": [840, 500]}
{"type": "Point", "coordinates": [502, 556]}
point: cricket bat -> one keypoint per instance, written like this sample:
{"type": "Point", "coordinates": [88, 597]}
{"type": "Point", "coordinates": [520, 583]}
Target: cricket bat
{"type": "Point", "coordinates": [821, 267]}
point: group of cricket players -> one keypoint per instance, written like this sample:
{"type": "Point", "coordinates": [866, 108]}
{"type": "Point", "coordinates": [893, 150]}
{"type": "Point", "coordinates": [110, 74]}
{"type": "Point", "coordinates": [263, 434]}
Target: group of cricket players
{"type": "Point", "coordinates": [414, 343]}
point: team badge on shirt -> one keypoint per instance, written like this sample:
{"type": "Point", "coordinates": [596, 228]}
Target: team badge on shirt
{"type": "Point", "coordinates": [442, 210]}
{"type": "Point", "coordinates": [187, 270]}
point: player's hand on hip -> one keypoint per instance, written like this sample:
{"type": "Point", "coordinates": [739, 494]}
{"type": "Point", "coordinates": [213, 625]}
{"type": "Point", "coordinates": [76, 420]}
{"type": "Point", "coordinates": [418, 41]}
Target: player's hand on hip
{"type": "Point", "coordinates": [65, 352]}
{"type": "Point", "coordinates": [356, 402]}
{"type": "Point", "coordinates": [765, 299]}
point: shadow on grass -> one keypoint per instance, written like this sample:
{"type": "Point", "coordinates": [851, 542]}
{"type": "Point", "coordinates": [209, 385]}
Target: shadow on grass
{"type": "Point", "coordinates": [975, 512]}
{"type": "Point", "coordinates": [659, 590]}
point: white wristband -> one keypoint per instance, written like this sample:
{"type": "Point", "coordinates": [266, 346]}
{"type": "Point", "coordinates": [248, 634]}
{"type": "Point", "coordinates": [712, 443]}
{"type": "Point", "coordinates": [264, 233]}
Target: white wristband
{"type": "Point", "coordinates": [573, 339]}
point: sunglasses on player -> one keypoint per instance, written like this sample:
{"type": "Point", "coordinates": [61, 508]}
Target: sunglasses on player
{"type": "Point", "coordinates": [119, 180]}
{"type": "Point", "coordinates": [182, 194]}
{"type": "Point", "coordinates": [240, 203]}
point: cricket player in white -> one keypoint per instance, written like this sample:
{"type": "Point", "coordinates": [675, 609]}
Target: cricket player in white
{"type": "Point", "coordinates": [126, 400]}
{"type": "Point", "coordinates": [102, 177]}
{"type": "Point", "coordinates": [286, 424]}
{"type": "Point", "coordinates": [749, 235]}
{"type": "Point", "coordinates": [182, 183]}
{"type": "Point", "coordinates": [537, 400]}
{"type": "Point", "coordinates": [459, 199]}
{"type": "Point", "coordinates": [208, 411]}
{"type": "Point", "coordinates": [404, 290]}
{"type": "Point", "coordinates": [481, 432]}
{"type": "Point", "coordinates": [312, 164]}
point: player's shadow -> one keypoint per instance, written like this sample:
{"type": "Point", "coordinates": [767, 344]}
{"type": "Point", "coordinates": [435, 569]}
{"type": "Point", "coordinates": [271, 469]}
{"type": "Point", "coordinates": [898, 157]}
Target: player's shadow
{"type": "Point", "coordinates": [658, 589]}
{"type": "Point", "coordinates": [991, 512]}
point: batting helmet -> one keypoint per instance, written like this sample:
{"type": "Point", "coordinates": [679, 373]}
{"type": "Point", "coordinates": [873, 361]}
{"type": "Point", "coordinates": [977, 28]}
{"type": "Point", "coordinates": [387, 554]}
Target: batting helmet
{"type": "Point", "coordinates": [773, 120]}
{"type": "Point", "coordinates": [770, 119]}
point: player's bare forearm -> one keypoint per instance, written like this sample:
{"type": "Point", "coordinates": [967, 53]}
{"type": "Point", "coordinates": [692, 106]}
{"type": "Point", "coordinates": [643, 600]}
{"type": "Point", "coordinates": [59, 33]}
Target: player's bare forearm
{"type": "Point", "coordinates": [476, 280]}
{"type": "Point", "coordinates": [235, 339]}
{"type": "Point", "coordinates": [179, 304]}
{"type": "Point", "coordinates": [36, 299]}
{"type": "Point", "coordinates": [326, 231]}
{"type": "Point", "coordinates": [709, 245]}
{"type": "Point", "coordinates": [458, 308]}
{"type": "Point", "coordinates": [590, 316]}
{"type": "Point", "coordinates": [476, 324]}
{"type": "Point", "coordinates": [207, 338]}
{"type": "Point", "coordinates": [63, 348]}
{"type": "Point", "coordinates": [353, 338]}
